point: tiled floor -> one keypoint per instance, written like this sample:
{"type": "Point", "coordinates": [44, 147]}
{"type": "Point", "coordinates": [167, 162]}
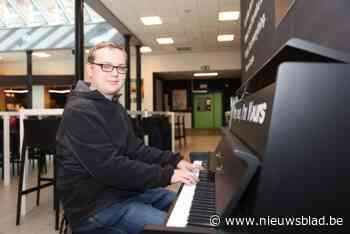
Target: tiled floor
{"type": "Point", "coordinates": [41, 219]}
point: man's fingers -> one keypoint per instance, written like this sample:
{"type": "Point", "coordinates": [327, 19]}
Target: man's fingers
{"type": "Point", "coordinates": [192, 179]}
{"type": "Point", "coordinates": [195, 167]}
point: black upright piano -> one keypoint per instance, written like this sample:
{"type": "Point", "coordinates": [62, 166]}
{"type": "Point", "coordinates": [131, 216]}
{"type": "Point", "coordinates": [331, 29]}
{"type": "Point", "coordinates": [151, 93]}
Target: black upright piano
{"type": "Point", "coordinates": [285, 154]}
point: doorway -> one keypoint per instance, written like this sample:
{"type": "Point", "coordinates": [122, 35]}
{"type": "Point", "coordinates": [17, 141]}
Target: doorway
{"type": "Point", "coordinates": [207, 110]}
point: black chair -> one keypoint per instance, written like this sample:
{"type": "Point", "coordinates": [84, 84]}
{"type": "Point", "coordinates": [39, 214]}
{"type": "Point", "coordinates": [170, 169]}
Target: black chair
{"type": "Point", "coordinates": [2, 153]}
{"type": "Point", "coordinates": [180, 131]}
{"type": "Point", "coordinates": [39, 134]}
{"type": "Point", "coordinates": [2, 148]}
{"type": "Point", "coordinates": [159, 131]}
{"type": "Point", "coordinates": [183, 128]}
{"type": "Point", "coordinates": [14, 150]}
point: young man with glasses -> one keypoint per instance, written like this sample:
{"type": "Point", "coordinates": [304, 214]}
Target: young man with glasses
{"type": "Point", "coordinates": [108, 180]}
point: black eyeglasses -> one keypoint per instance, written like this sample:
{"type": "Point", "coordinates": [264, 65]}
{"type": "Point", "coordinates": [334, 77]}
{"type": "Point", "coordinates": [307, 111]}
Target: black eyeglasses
{"type": "Point", "coordinates": [109, 68]}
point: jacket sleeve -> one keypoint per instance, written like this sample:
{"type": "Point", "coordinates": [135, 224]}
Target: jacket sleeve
{"type": "Point", "coordinates": [151, 155]}
{"type": "Point", "coordinates": [86, 138]}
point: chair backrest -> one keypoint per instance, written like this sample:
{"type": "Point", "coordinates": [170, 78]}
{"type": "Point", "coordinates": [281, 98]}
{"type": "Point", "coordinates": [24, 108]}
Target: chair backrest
{"type": "Point", "coordinates": [40, 133]}
{"type": "Point", "coordinates": [1, 136]}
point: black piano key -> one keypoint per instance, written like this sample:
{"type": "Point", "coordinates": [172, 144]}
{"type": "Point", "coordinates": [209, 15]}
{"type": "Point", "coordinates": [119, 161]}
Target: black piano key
{"type": "Point", "coordinates": [210, 196]}
{"type": "Point", "coordinates": [207, 209]}
{"type": "Point", "coordinates": [203, 201]}
{"type": "Point", "coordinates": [205, 186]}
{"type": "Point", "coordinates": [206, 213]}
{"type": "Point", "coordinates": [200, 206]}
{"type": "Point", "coordinates": [204, 190]}
{"type": "Point", "coordinates": [203, 205]}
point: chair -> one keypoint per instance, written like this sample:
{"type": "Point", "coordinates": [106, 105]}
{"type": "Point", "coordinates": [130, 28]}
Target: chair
{"type": "Point", "coordinates": [2, 165]}
{"type": "Point", "coordinates": [14, 149]}
{"type": "Point", "coordinates": [39, 134]}
{"type": "Point", "coordinates": [2, 148]}
{"type": "Point", "coordinates": [180, 131]}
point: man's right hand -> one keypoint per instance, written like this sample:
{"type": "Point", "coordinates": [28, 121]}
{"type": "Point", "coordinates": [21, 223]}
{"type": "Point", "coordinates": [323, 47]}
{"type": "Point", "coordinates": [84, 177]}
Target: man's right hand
{"type": "Point", "coordinates": [184, 176]}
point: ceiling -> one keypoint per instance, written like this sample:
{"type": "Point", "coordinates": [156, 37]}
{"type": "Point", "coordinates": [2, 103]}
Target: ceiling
{"type": "Point", "coordinates": [191, 23]}
{"type": "Point", "coordinates": [46, 25]}
{"type": "Point", "coordinates": [40, 13]}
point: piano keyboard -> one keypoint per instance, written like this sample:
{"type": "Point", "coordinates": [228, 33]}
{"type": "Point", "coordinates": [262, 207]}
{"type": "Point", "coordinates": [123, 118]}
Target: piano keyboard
{"type": "Point", "coordinates": [196, 203]}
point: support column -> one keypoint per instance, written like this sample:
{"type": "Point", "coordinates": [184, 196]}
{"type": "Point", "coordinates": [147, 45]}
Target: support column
{"type": "Point", "coordinates": [29, 78]}
{"type": "Point", "coordinates": [79, 41]}
{"type": "Point", "coordinates": [127, 75]}
{"type": "Point", "coordinates": [138, 79]}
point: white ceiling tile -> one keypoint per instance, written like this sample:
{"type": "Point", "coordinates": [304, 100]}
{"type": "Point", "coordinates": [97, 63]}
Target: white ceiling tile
{"type": "Point", "coordinates": [191, 23]}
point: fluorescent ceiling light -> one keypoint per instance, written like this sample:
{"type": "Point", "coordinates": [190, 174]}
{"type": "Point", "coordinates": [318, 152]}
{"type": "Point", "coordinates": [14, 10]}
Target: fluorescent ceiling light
{"type": "Point", "coordinates": [59, 91]}
{"type": "Point", "coordinates": [165, 40]}
{"type": "Point", "coordinates": [15, 91]}
{"type": "Point", "coordinates": [226, 37]}
{"type": "Point", "coordinates": [151, 20]}
{"type": "Point", "coordinates": [228, 15]}
{"type": "Point", "coordinates": [145, 49]}
{"type": "Point", "coordinates": [199, 91]}
{"type": "Point", "coordinates": [41, 54]}
{"type": "Point", "coordinates": [206, 74]}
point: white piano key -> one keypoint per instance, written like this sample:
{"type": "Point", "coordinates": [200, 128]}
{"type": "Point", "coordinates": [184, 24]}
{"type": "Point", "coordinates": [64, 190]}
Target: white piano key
{"type": "Point", "coordinates": [181, 211]}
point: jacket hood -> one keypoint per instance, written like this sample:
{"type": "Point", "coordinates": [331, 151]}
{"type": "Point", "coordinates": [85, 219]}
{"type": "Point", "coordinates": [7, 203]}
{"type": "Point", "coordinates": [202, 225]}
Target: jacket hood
{"type": "Point", "coordinates": [82, 90]}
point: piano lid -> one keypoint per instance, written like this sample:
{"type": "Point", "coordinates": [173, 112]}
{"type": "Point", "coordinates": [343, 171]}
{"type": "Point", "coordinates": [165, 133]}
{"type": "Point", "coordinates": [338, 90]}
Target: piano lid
{"type": "Point", "coordinates": [295, 50]}
{"type": "Point", "coordinates": [252, 114]}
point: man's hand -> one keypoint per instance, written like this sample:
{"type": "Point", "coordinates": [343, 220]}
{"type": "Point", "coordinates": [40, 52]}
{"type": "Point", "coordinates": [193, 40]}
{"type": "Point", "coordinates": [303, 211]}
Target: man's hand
{"type": "Point", "coordinates": [185, 165]}
{"type": "Point", "coordinates": [184, 176]}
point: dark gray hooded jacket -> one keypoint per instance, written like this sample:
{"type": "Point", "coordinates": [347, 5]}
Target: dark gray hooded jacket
{"type": "Point", "coordinates": [100, 161]}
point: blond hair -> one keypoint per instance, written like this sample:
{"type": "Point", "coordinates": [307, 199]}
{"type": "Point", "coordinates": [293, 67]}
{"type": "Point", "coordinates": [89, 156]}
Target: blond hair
{"type": "Point", "coordinates": [104, 44]}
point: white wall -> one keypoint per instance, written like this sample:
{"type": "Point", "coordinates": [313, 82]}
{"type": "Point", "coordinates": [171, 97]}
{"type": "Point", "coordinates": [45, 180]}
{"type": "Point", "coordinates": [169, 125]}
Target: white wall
{"type": "Point", "coordinates": [40, 67]}
{"type": "Point", "coordinates": [150, 63]}
{"type": "Point", "coordinates": [181, 62]}
{"type": "Point", "coordinates": [38, 96]}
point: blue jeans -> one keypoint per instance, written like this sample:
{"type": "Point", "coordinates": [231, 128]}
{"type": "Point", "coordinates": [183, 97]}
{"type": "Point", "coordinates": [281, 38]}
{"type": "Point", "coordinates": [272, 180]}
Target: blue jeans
{"type": "Point", "coordinates": [129, 216]}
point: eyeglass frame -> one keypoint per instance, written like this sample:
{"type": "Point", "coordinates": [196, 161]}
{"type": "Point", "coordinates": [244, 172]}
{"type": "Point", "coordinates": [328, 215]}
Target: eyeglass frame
{"type": "Point", "coordinates": [113, 67]}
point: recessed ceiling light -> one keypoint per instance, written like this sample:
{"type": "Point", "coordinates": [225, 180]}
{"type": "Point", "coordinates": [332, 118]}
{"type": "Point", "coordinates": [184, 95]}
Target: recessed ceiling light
{"type": "Point", "coordinates": [165, 40]}
{"type": "Point", "coordinates": [226, 37]}
{"type": "Point", "coordinates": [151, 20]}
{"type": "Point", "coordinates": [145, 49]}
{"type": "Point", "coordinates": [15, 91]}
{"type": "Point", "coordinates": [59, 91]}
{"type": "Point", "coordinates": [205, 74]}
{"type": "Point", "coordinates": [41, 54]}
{"type": "Point", "coordinates": [228, 15]}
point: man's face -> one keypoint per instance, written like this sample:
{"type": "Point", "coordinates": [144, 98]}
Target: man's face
{"type": "Point", "coordinates": [108, 83]}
